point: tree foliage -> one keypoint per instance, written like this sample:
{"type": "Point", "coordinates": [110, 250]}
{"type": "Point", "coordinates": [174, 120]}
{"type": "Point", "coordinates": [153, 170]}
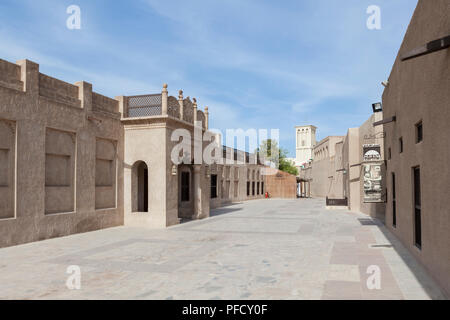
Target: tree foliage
{"type": "Point", "coordinates": [269, 150]}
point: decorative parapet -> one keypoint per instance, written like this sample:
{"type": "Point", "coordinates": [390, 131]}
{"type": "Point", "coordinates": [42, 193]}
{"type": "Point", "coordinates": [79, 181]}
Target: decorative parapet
{"type": "Point", "coordinates": [188, 115]}
{"type": "Point", "coordinates": [144, 105]}
{"type": "Point", "coordinates": [201, 117]}
{"type": "Point", "coordinates": [173, 107]}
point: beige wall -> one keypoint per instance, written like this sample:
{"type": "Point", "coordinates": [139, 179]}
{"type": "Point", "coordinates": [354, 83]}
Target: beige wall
{"type": "Point", "coordinates": [61, 155]}
{"type": "Point", "coordinates": [419, 91]}
{"type": "Point", "coordinates": [281, 185]}
{"type": "Point", "coordinates": [232, 182]}
{"type": "Point", "coordinates": [323, 170]}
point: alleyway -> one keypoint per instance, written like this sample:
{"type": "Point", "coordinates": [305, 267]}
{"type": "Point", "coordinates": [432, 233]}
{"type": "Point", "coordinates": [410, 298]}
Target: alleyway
{"type": "Point", "coordinates": [261, 249]}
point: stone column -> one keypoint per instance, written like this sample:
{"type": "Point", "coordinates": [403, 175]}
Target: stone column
{"type": "Point", "coordinates": [206, 118]}
{"type": "Point", "coordinates": [197, 192]}
{"type": "Point", "coordinates": [164, 97]}
{"type": "Point", "coordinates": [123, 105]}
{"type": "Point", "coordinates": [181, 103]}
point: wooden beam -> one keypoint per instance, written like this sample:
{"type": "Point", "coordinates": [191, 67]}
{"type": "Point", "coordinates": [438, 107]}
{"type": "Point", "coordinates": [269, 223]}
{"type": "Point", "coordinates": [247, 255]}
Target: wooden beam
{"type": "Point", "coordinates": [430, 47]}
{"type": "Point", "coordinates": [384, 121]}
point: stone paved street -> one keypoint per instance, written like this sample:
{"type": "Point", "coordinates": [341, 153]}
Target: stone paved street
{"type": "Point", "coordinates": [261, 249]}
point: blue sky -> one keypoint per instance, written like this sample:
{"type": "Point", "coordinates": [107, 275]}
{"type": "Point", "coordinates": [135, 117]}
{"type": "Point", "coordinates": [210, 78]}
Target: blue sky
{"type": "Point", "coordinates": [255, 64]}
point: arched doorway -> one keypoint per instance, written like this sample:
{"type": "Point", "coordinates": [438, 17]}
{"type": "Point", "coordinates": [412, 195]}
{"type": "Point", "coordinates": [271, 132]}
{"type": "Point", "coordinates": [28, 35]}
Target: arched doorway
{"type": "Point", "coordinates": [139, 186]}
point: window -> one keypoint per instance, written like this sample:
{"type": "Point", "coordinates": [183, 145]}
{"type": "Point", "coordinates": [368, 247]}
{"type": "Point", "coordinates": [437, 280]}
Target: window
{"type": "Point", "coordinates": [394, 207]}
{"type": "Point", "coordinates": [214, 186]}
{"type": "Point", "coordinates": [257, 188]}
{"type": "Point", "coordinates": [400, 144]}
{"type": "Point", "coordinates": [419, 132]}
{"type": "Point", "coordinates": [417, 208]}
{"type": "Point", "coordinates": [248, 188]}
{"type": "Point", "coordinates": [253, 188]}
{"type": "Point", "coordinates": [389, 153]}
{"type": "Point", "coordinates": [185, 186]}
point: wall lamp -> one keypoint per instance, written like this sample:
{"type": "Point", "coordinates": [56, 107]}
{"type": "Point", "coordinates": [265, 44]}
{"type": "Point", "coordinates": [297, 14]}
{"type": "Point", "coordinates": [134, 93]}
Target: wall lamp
{"type": "Point", "coordinates": [377, 107]}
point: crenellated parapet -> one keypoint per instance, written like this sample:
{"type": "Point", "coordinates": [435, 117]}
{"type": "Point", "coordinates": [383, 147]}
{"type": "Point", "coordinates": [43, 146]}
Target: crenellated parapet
{"type": "Point", "coordinates": [24, 77]}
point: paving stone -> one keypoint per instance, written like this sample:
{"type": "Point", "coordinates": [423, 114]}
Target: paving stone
{"type": "Point", "coordinates": [262, 249]}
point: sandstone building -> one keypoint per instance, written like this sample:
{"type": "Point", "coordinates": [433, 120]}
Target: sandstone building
{"type": "Point", "coordinates": [416, 116]}
{"type": "Point", "coordinates": [72, 160]}
{"type": "Point", "coordinates": [348, 170]}
{"type": "Point", "coordinates": [61, 156]}
{"type": "Point", "coordinates": [395, 166]}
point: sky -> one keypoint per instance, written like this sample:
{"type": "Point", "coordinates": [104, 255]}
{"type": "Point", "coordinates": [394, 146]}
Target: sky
{"type": "Point", "coordinates": [255, 63]}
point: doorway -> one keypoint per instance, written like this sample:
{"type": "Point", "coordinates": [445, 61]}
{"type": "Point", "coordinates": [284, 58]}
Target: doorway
{"type": "Point", "coordinates": [139, 187]}
{"type": "Point", "coordinates": [142, 187]}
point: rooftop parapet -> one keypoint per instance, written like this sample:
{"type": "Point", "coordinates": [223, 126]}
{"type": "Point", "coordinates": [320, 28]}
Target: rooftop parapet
{"type": "Point", "coordinates": [161, 104]}
{"type": "Point", "coordinates": [25, 78]}
{"type": "Point", "coordinates": [10, 75]}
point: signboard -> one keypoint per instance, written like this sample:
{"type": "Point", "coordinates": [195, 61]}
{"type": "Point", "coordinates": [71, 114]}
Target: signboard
{"type": "Point", "coordinates": [373, 182]}
{"type": "Point", "coordinates": [371, 152]}
{"type": "Point", "coordinates": [372, 173]}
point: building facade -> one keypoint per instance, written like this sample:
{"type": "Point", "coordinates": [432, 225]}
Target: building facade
{"type": "Point", "coordinates": [416, 109]}
{"type": "Point", "coordinates": [61, 157]}
{"type": "Point", "coordinates": [72, 160]}
{"type": "Point", "coordinates": [349, 170]}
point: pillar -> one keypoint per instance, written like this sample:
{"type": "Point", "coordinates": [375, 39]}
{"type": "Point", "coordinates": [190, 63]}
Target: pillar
{"type": "Point", "coordinates": [181, 103]}
{"type": "Point", "coordinates": [123, 105]}
{"type": "Point", "coordinates": [164, 97]}
{"type": "Point", "coordinates": [195, 111]}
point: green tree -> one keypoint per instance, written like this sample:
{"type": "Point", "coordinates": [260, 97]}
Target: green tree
{"type": "Point", "coordinates": [270, 150]}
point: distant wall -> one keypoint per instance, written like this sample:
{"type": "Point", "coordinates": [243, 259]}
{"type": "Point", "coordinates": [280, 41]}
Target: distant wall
{"type": "Point", "coordinates": [281, 185]}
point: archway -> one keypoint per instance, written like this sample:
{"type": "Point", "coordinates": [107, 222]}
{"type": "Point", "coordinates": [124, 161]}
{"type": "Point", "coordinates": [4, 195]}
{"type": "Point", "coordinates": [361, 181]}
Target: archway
{"type": "Point", "coordinates": [139, 186]}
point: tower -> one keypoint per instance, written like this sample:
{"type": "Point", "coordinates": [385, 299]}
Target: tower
{"type": "Point", "coordinates": [305, 140]}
